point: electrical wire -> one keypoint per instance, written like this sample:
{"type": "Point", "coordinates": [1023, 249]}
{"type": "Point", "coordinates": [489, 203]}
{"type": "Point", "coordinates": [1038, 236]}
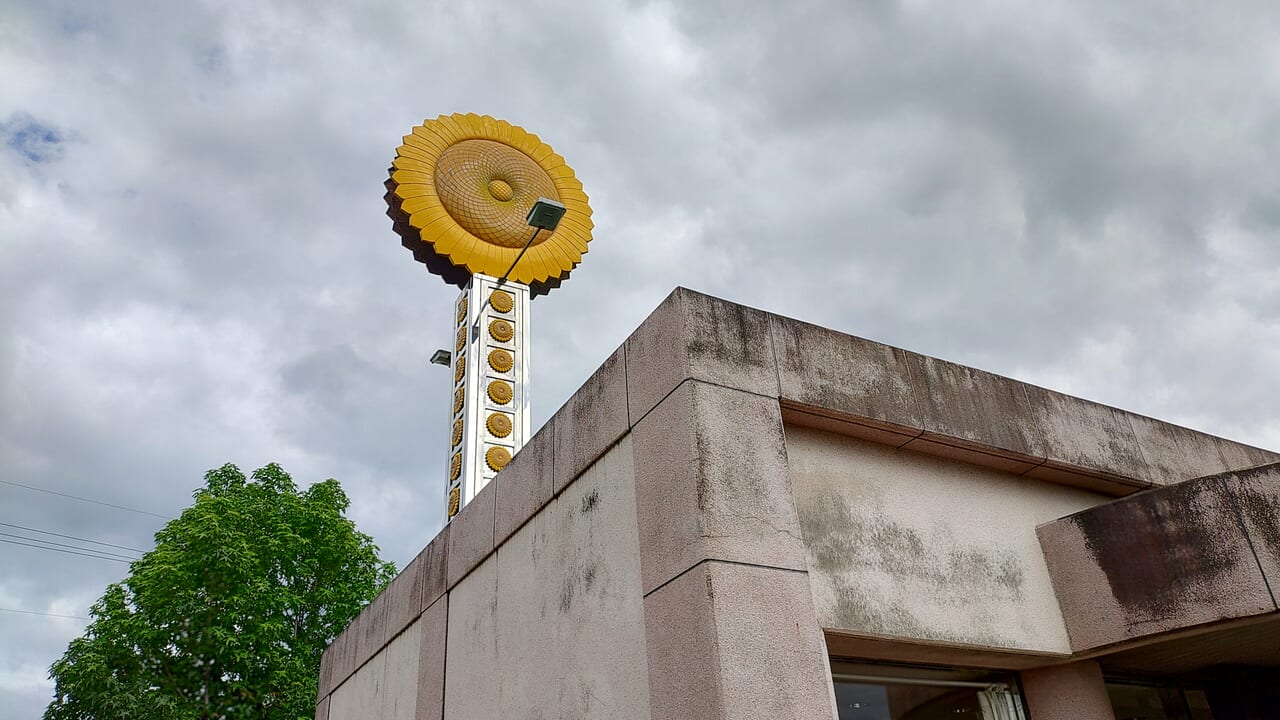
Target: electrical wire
{"type": "Point", "coordinates": [69, 552]}
{"type": "Point", "coordinates": [83, 499]}
{"type": "Point", "coordinates": [104, 553]}
{"type": "Point", "coordinates": [71, 537]}
{"type": "Point", "coordinates": [34, 612]}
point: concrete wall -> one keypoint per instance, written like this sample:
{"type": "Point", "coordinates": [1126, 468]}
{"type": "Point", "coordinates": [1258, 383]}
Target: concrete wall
{"type": "Point", "coordinates": [911, 546]}
{"type": "Point", "coordinates": [386, 686]}
{"type": "Point", "coordinates": [552, 625]}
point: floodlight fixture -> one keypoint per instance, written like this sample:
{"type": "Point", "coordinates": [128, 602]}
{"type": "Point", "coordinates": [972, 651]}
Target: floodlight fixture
{"type": "Point", "coordinates": [545, 214]}
{"type": "Point", "coordinates": [442, 357]}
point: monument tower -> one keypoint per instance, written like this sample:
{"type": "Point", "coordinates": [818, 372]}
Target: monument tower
{"type": "Point", "coordinates": [494, 210]}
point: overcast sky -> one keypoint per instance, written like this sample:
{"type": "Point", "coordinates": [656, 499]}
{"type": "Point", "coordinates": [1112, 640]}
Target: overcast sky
{"type": "Point", "coordinates": [196, 268]}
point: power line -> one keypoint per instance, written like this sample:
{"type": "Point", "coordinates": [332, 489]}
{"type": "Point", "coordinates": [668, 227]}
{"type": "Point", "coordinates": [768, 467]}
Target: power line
{"type": "Point", "coordinates": [104, 553]}
{"type": "Point", "coordinates": [83, 499]}
{"type": "Point", "coordinates": [33, 612]}
{"type": "Point", "coordinates": [69, 552]}
{"type": "Point", "coordinates": [71, 537]}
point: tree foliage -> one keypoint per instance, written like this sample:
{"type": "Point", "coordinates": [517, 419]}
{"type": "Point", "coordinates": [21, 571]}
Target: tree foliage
{"type": "Point", "coordinates": [228, 615]}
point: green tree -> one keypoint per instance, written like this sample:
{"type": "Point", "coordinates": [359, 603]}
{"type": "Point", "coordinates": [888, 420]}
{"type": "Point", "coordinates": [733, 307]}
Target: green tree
{"type": "Point", "coordinates": [228, 615]}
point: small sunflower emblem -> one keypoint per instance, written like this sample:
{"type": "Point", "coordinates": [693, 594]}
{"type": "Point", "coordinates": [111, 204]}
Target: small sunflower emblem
{"type": "Point", "coordinates": [460, 189]}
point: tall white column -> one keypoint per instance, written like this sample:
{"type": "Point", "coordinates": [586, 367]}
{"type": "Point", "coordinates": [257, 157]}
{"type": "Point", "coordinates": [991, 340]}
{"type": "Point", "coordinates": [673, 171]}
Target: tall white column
{"type": "Point", "coordinates": [490, 401]}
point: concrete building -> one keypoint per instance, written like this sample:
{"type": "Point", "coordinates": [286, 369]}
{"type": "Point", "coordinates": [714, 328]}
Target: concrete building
{"type": "Point", "coordinates": [741, 515]}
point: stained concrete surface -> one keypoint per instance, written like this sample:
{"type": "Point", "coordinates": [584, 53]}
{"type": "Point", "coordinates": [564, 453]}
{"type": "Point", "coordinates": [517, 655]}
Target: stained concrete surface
{"type": "Point", "coordinates": [361, 694]}
{"type": "Point", "coordinates": [552, 625]}
{"type": "Point", "coordinates": [471, 685]}
{"type": "Point", "coordinates": [591, 420]}
{"type": "Point", "coordinates": [1071, 691]}
{"type": "Point", "coordinates": [434, 624]}
{"type": "Point", "coordinates": [844, 374]}
{"type": "Point", "coordinates": [905, 545]}
{"type": "Point", "coordinates": [736, 642]}
{"type": "Point", "coordinates": [525, 485]}
{"type": "Point", "coordinates": [711, 482]}
{"type": "Point", "coordinates": [400, 675]}
{"type": "Point", "coordinates": [1166, 559]}
{"type": "Point", "coordinates": [696, 336]}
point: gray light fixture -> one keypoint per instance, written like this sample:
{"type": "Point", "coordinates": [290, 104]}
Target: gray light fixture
{"type": "Point", "coordinates": [545, 214]}
{"type": "Point", "coordinates": [442, 357]}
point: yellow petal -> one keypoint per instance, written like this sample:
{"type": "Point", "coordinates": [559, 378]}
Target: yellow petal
{"type": "Point", "coordinates": [428, 205]}
{"type": "Point", "coordinates": [413, 163]}
{"type": "Point", "coordinates": [427, 146]}
{"type": "Point", "coordinates": [549, 267]}
{"type": "Point", "coordinates": [564, 255]}
{"type": "Point", "coordinates": [541, 153]}
{"type": "Point", "coordinates": [530, 267]}
{"type": "Point", "coordinates": [417, 153]}
{"type": "Point", "coordinates": [404, 192]}
{"type": "Point", "coordinates": [409, 177]}
{"type": "Point", "coordinates": [497, 129]}
{"type": "Point", "coordinates": [429, 220]}
{"type": "Point", "coordinates": [576, 240]}
{"type": "Point", "coordinates": [449, 238]}
{"type": "Point", "coordinates": [559, 172]}
{"type": "Point", "coordinates": [518, 137]}
{"type": "Point", "coordinates": [568, 194]}
{"type": "Point", "coordinates": [452, 130]}
{"type": "Point", "coordinates": [428, 135]}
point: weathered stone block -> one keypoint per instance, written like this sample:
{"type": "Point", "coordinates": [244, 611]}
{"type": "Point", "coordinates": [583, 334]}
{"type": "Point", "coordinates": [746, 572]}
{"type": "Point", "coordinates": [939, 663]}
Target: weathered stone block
{"type": "Point", "coordinates": [845, 375]}
{"type": "Point", "coordinates": [598, 601]}
{"type": "Point", "coordinates": [1072, 691]}
{"type": "Point", "coordinates": [972, 408]}
{"type": "Point", "coordinates": [736, 641]}
{"type": "Point", "coordinates": [1176, 453]}
{"type": "Point", "coordinates": [404, 598]}
{"type": "Point", "coordinates": [1083, 434]}
{"type": "Point", "coordinates": [361, 693]}
{"type": "Point", "coordinates": [569, 616]}
{"type": "Point", "coordinates": [325, 683]}
{"type": "Point", "coordinates": [525, 485]}
{"type": "Point", "coordinates": [1256, 493]}
{"type": "Point", "coordinates": [434, 567]}
{"type": "Point", "coordinates": [773, 662]}
{"type": "Point", "coordinates": [399, 695]}
{"type": "Point", "coordinates": [370, 629]}
{"type": "Point", "coordinates": [711, 482]}
{"type": "Point", "coordinates": [683, 658]}
{"type": "Point", "coordinates": [591, 420]}
{"type": "Point", "coordinates": [431, 656]}
{"type": "Point", "coordinates": [691, 335]}
{"type": "Point", "coordinates": [343, 653]}
{"type": "Point", "coordinates": [471, 534]}
{"type": "Point", "coordinates": [1161, 560]}
{"type": "Point", "coordinates": [471, 687]}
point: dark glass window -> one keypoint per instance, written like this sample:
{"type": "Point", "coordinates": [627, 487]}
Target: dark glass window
{"type": "Point", "coordinates": [1136, 701]}
{"type": "Point", "coordinates": [879, 692]}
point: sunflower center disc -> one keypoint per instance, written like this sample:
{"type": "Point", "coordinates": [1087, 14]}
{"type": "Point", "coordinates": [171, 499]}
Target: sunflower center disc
{"type": "Point", "coordinates": [471, 178]}
{"type": "Point", "coordinates": [500, 190]}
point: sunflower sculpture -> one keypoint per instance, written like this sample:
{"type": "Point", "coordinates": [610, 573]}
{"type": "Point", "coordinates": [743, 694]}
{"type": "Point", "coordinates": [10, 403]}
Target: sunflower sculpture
{"type": "Point", "coordinates": [461, 187]}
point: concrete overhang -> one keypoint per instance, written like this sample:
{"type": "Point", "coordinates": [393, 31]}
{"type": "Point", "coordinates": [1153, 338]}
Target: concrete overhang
{"type": "Point", "coordinates": [1174, 578]}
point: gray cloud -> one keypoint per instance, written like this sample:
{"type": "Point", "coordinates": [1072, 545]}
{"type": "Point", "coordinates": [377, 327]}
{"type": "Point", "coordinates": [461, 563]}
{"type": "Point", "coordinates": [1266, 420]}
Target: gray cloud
{"type": "Point", "coordinates": [196, 267]}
